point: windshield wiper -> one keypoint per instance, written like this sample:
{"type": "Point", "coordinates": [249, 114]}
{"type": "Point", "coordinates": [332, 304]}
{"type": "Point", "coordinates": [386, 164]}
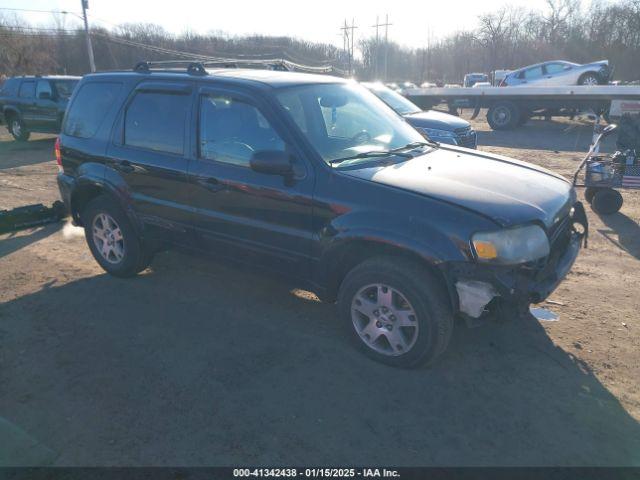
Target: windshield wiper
{"type": "Point", "coordinates": [383, 153]}
{"type": "Point", "coordinates": [414, 145]}
{"type": "Point", "coordinates": [371, 154]}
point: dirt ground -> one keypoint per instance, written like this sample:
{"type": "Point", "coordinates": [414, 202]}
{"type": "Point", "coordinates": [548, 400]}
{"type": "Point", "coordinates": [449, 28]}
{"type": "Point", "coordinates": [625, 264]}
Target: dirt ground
{"type": "Point", "coordinates": [195, 363]}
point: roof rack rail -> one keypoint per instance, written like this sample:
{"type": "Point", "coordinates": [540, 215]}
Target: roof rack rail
{"type": "Point", "coordinates": [193, 68]}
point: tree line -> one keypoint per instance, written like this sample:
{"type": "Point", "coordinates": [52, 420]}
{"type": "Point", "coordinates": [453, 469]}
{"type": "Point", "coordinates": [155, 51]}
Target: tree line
{"type": "Point", "coordinates": [503, 39]}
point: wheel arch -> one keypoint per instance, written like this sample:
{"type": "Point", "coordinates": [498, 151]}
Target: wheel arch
{"type": "Point", "coordinates": [590, 72]}
{"type": "Point", "coordinates": [87, 189]}
{"type": "Point", "coordinates": [348, 254]}
{"type": "Point", "coordinates": [10, 112]}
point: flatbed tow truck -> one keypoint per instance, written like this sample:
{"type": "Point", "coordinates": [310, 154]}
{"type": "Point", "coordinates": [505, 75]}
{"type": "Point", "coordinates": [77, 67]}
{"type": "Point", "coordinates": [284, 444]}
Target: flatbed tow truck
{"type": "Point", "coordinates": [510, 107]}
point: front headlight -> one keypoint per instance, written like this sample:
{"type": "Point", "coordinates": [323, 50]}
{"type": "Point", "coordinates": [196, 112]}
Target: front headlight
{"type": "Point", "coordinates": [511, 246]}
{"type": "Point", "coordinates": [435, 133]}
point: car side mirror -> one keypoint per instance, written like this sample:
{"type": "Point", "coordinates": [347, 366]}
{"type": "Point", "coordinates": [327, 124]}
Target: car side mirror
{"type": "Point", "coordinates": [44, 95]}
{"type": "Point", "coordinates": [609, 129]}
{"type": "Point", "coordinates": [272, 162]}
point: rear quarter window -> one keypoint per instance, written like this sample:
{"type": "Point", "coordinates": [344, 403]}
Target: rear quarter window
{"type": "Point", "coordinates": [10, 87]}
{"type": "Point", "coordinates": [90, 106]}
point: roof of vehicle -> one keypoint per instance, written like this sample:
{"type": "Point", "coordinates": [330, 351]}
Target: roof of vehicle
{"type": "Point", "coordinates": [272, 78]}
{"type": "Point", "coordinates": [545, 63]}
{"type": "Point", "coordinates": [47, 77]}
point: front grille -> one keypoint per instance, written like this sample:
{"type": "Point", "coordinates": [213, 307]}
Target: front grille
{"type": "Point", "coordinates": [466, 137]}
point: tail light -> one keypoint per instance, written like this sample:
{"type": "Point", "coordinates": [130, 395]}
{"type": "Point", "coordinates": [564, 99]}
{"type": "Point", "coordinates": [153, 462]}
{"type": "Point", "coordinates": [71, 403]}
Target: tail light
{"type": "Point", "coordinates": [56, 150]}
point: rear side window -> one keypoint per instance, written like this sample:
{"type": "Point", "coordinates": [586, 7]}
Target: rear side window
{"type": "Point", "coordinates": [64, 88]}
{"type": "Point", "coordinates": [10, 87]}
{"type": "Point", "coordinates": [27, 90]}
{"type": "Point", "coordinates": [156, 121]}
{"type": "Point", "coordinates": [90, 107]}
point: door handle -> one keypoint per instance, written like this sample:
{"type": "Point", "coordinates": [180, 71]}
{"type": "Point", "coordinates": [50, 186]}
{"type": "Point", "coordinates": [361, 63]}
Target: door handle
{"type": "Point", "coordinates": [212, 184]}
{"type": "Point", "coordinates": [124, 166]}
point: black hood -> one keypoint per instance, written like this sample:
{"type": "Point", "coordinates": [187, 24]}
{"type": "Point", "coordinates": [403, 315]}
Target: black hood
{"type": "Point", "coordinates": [508, 191]}
{"type": "Point", "coordinates": [439, 120]}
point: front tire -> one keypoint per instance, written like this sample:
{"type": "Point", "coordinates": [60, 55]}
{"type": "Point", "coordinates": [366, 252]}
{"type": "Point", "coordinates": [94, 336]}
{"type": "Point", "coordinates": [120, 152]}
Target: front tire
{"type": "Point", "coordinates": [398, 313]}
{"type": "Point", "coordinates": [18, 129]}
{"type": "Point", "coordinates": [112, 239]}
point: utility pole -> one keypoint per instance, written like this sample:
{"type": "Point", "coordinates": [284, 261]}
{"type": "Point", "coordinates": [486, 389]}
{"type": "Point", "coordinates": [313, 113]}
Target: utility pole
{"type": "Point", "coordinates": [348, 42]}
{"type": "Point", "coordinates": [375, 57]}
{"type": "Point", "coordinates": [386, 26]}
{"type": "Point", "coordinates": [351, 55]}
{"type": "Point", "coordinates": [92, 63]}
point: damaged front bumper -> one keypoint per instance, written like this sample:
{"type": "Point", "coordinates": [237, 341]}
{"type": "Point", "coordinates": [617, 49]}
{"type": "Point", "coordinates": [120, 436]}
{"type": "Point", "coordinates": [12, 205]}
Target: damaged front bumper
{"type": "Point", "coordinates": [483, 290]}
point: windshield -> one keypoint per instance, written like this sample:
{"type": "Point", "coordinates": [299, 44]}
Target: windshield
{"type": "Point", "coordinates": [396, 101]}
{"type": "Point", "coordinates": [345, 119]}
{"type": "Point", "coordinates": [65, 87]}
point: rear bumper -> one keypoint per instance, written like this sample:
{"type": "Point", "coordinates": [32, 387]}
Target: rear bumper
{"type": "Point", "coordinates": [66, 185]}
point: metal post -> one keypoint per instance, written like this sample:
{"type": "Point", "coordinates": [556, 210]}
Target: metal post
{"type": "Point", "coordinates": [92, 63]}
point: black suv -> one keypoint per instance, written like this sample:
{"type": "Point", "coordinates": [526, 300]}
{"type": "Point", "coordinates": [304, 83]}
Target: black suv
{"type": "Point", "coordinates": [317, 179]}
{"type": "Point", "coordinates": [35, 104]}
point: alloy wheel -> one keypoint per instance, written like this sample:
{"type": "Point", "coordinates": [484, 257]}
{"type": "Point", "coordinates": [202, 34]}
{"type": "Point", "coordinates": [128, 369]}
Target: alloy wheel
{"type": "Point", "coordinates": [107, 238]}
{"type": "Point", "coordinates": [384, 319]}
{"type": "Point", "coordinates": [16, 128]}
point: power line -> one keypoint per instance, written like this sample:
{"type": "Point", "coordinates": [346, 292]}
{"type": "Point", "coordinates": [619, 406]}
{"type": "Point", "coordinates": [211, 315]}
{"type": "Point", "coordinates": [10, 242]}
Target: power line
{"type": "Point", "coordinates": [37, 11]}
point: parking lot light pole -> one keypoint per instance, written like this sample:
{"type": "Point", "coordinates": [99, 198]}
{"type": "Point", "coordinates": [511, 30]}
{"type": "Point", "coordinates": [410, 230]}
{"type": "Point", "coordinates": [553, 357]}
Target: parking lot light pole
{"type": "Point", "coordinates": [92, 63]}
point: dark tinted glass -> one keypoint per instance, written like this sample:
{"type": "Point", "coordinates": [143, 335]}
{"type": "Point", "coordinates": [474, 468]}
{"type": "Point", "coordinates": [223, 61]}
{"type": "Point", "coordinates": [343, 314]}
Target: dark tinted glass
{"type": "Point", "coordinates": [90, 107]}
{"type": "Point", "coordinates": [10, 87]}
{"type": "Point", "coordinates": [28, 90]}
{"type": "Point", "coordinates": [64, 88]}
{"type": "Point", "coordinates": [232, 130]}
{"type": "Point", "coordinates": [156, 121]}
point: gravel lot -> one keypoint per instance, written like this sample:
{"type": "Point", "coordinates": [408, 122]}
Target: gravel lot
{"type": "Point", "coordinates": [195, 363]}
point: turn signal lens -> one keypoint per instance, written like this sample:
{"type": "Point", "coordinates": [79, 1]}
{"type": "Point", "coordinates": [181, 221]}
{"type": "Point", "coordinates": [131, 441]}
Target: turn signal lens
{"type": "Point", "coordinates": [485, 250]}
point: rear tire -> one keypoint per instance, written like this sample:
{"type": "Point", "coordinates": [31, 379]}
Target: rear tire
{"type": "Point", "coordinates": [112, 238]}
{"type": "Point", "coordinates": [18, 129]}
{"type": "Point", "coordinates": [503, 116]}
{"type": "Point", "coordinates": [411, 320]}
{"type": "Point", "coordinates": [606, 201]}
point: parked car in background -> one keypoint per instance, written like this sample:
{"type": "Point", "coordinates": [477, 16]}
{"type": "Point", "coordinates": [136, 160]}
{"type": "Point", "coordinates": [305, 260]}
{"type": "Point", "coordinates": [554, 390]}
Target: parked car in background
{"type": "Point", "coordinates": [438, 126]}
{"type": "Point", "coordinates": [470, 79]}
{"type": "Point", "coordinates": [498, 76]}
{"type": "Point", "coordinates": [35, 104]}
{"type": "Point", "coordinates": [313, 178]}
{"type": "Point", "coordinates": [558, 73]}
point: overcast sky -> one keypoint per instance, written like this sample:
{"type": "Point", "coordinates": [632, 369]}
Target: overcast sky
{"type": "Point", "coordinates": [311, 20]}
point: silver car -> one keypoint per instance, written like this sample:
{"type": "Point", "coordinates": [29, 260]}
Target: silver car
{"type": "Point", "coordinates": [559, 73]}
